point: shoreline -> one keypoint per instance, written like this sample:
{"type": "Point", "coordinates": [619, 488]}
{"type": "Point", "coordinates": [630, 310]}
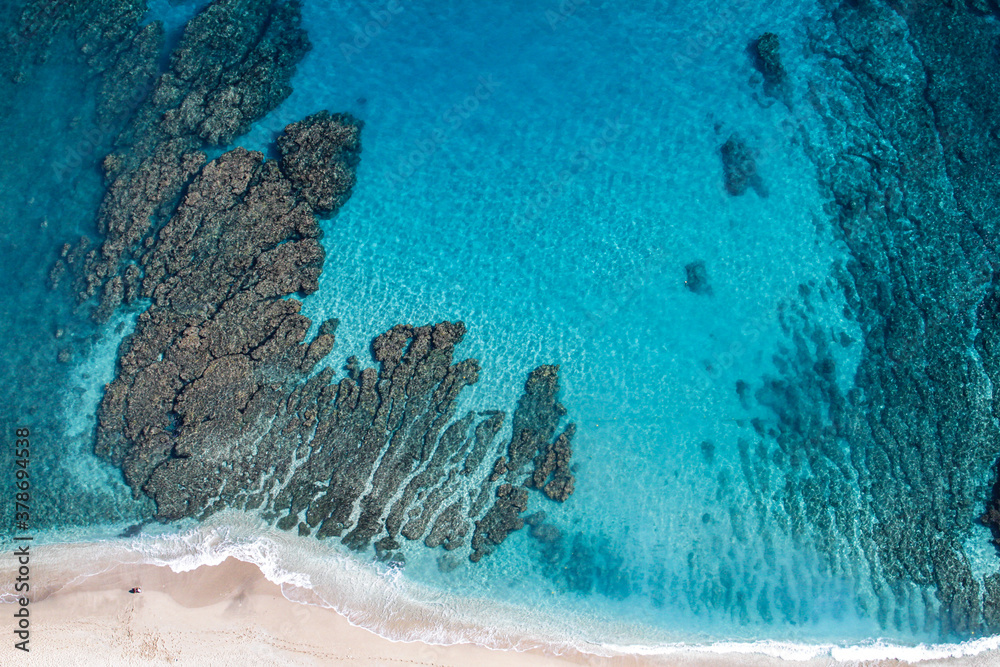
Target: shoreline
{"type": "Point", "coordinates": [222, 614]}
{"type": "Point", "coordinates": [231, 613]}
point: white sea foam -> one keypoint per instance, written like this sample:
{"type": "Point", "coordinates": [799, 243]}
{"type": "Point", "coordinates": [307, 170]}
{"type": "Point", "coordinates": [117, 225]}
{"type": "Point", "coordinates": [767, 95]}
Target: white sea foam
{"type": "Point", "coordinates": [386, 602]}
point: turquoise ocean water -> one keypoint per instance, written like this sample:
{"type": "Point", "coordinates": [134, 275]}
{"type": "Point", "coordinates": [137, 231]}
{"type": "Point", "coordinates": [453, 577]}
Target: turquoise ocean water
{"type": "Point", "coordinates": [543, 171]}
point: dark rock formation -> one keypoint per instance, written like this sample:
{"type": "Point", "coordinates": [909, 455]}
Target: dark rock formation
{"type": "Point", "coordinates": [991, 603]}
{"type": "Point", "coordinates": [893, 470]}
{"type": "Point", "coordinates": [502, 519]}
{"type": "Point", "coordinates": [220, 400]}
{"type": "Point", "coordinates": [740, 168]}
{"type": "Point", "coordinates": [217, 402]}
{"type": "Point", "coordinates": [106, 33]}
{"type": "Point", "coordinates": [708, 450]}
{"type": "Point", "coordinates": [991, 517]}
{"type": "Point", "coordinates": [552, 473]}
{"type": "Point", "coordinates": [535, 421]}
{"type": "Point", "coordinates": [231, 67]}
{"type": "Point", "coordinates": [696, 278]}
{"type": "Point", "coordinates": [306, 144]}
{"type": "Point", "coordinates": [767, 59]}
{"type": "Point", "coordinates": [130, 75]}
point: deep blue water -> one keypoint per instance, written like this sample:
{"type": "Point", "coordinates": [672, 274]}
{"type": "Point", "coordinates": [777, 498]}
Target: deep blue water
{"type": "Point", "coordinates": [543, 172]}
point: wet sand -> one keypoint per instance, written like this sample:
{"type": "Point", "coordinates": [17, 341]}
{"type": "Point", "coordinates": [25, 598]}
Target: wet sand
{"type": "Point", "coordinates": [230, 614]}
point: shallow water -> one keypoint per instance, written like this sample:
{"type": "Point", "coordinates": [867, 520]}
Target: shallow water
{"type": "Point", "coordinates": [545, 173]}
{"type": "Point", "coordinates": [554, 213]}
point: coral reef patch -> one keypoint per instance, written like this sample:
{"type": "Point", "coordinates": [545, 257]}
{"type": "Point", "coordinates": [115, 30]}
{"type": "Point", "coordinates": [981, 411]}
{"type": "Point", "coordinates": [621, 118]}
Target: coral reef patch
{"type": "Point", "coordinates": [220, 400]}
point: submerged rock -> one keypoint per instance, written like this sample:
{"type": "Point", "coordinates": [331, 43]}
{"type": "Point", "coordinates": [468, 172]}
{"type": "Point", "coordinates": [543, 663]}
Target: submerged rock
{"type": "Point", "coordinates": [216, 403]}
{"type": "Point", "coordinates": [991, 517]}
{"type": "Point", "coordinates": [767, 59]}
{"type": "Point", "coordinates": [552, 467]}
{"type": "Point", "coordinates": [696, 278]}
{"type": "Point", "coordinates": [220, 397]}
{"type": "Point", "coordinates": [502, 519]}
{"type": "Point", "coordinates": [535, 420]}
{"type": "Point", "coordinates": [740, 168]}
{"type": "Point", "coordinates": [305, 146]}
{"type": "Point", "coordinates": [889, 472]}
{"type": "Point", "coordinates": [106, 32]}
{"type": "Point", "coordinates": [230, 68]}
{"type": "Point", "coordinates": [546, 533]}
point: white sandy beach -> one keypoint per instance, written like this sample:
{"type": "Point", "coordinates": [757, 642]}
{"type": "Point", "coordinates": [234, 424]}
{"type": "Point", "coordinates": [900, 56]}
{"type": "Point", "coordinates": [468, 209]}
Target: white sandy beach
{"type": "Point", "coordinates": [230, 614]}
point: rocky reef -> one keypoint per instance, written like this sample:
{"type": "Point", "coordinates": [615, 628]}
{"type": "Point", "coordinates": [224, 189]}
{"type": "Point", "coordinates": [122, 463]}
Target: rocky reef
{"type": "Point", "coordinates": [230, 68]}
{"type": "Point", "coordinates": [991, 517]}
{"type": "Point", "coordinates": [221, 399]}
{"type": "Point", "coordinates": [766, 54]}
{"type": "Point", "coordinates": [218, 402]}
{"type": "Point", "coordinates": [740, 168]}
{"type": "Point", "coordinates": [894, 471]}
{"type": "Point", "coordinates": [696, 278]}
{"type": "Point", "coordinates": [107, 36]}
